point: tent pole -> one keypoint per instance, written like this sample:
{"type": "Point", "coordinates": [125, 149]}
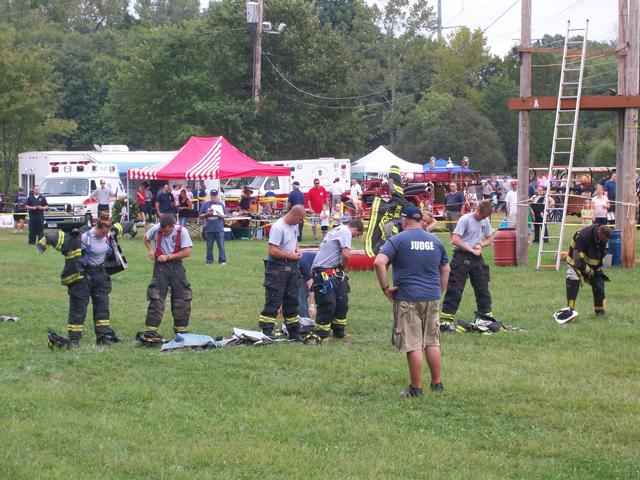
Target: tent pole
{"type": "Point", "coordinates": [127, 192]}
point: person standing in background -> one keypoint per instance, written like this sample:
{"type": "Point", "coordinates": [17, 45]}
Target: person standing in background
{"type": "Point", "coordinates": [296, 197]}
{"type": "Point", "coordinates": [317, 200]}
{"type": "Point", "coordinates": [454, 202]}
{"type": "Point", "coordinates": [336, 192]}
{"type": "Point", "coordinates": [19, 210]}
{"type": "Point", "coordinates": [36, 205]}
{"type": "Point", "coordinates": [213, 213]}
{"type": "Point", "coordinates": [103, 196]}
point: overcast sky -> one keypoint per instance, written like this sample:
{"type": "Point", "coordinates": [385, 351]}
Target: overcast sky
{"type": "Point", "coordinates": [548, 16]}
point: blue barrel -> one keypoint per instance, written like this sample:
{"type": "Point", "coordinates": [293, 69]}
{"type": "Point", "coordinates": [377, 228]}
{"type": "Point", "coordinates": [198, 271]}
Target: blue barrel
{"type": "Point", "coordinates": [615, 247]}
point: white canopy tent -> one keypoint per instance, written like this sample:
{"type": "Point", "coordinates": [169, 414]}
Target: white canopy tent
{"type": "Point", "coordinates": [380, 160]}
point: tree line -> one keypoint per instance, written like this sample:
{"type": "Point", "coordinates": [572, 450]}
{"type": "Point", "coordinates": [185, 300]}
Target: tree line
{"type": "Point", "coordinates": [343, 79]}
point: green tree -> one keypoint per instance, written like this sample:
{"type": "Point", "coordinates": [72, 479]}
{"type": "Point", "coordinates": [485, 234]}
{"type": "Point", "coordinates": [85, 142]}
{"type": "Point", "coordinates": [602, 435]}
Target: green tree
{"type": "Point", "coordinates": [160, 12]}
{"type": "Point", "coordinates": [29, 95]}
{"type": "Point", "coordinates": [446, 126]}
{"type": "Point", "coordinates": [493, 104]}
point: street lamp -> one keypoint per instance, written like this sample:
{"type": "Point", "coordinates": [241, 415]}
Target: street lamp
{"type": "Point", "coordinates": [255, 12]}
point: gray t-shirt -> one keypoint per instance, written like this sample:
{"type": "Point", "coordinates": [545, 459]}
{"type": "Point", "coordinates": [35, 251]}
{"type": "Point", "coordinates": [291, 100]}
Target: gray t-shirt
{"type": "Point", "coordinates": [103, 195]}
{"type": "Point", "coordinates": [330, 253]}
{"type": "Point", "coordinates": [472, 231]}
{"type": "Point", "coordinates": [283, 236]}
{"type": "Point", "coordinates": [94, 249]}
{"type": "Point", "coordinates": [168, 243]}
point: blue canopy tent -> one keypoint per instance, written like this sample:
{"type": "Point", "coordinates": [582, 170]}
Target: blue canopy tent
{"type": "Point", "coordinates": [442, 165]}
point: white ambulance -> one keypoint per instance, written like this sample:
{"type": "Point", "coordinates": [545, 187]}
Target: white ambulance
{"type": "Point", "coordinates": [327, 169]}
{"type": "Point", "coordinates": [68, 189]}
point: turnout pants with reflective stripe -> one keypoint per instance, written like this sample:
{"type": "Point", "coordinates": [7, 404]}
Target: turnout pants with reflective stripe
{"type": "Point", "coordinates": [332, 307]}
{"type": "Point", "coordinates": [463, 265]}
{"type": "Point", "coordinates": [169, 275]}
{"type": "Point", "coordinates": [281, 285]}
{"type": "Point", "coordinates": [96, 285]}
{"type": "Point", "coordinates": [573, 287]}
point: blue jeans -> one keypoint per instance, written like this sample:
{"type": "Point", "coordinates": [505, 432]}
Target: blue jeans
{"type": "Point", "coordinates": [183, 220]}
{"type": "Point", "coordinates": [303, 297]}
{"type": "Point", "coordinates": [217, 237]}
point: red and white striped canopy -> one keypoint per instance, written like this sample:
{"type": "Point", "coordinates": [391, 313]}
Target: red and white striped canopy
{"type": "Point", "coordinates": [205, 158]}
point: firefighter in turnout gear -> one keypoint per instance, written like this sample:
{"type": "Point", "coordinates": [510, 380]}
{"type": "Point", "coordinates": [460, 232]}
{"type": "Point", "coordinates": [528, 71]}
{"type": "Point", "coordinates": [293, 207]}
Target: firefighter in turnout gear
{"type": "Point", "coordinates": [472, 233]}
{"type": "Point", "coordinates": [168, 244]}
{"type": "Point", "coordinates": [584, 263]}
{"type": "Point", "coordinates": [282, 276]}
{"type": "Point", "coordinates": [330, 283]}
{"type": "Point", "coordinates": [385, 213]}
{"type": "Point", "coordinates": [91, 256]}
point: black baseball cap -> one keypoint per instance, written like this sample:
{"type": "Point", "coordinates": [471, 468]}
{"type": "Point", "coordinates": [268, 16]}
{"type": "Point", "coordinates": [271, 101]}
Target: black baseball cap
{"type": "Point", "coordinates": [213, 193]}
{"type": "Point", "coordinates": [296, 183]}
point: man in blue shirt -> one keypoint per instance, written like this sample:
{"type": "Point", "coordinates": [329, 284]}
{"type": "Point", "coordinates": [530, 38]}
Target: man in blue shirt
{"type": "Point", "coordinates": [296, 197]}
{"type": "Point", "coordinates": [420, 274]}
{"type": "Point", "coordinates": [213, 213]}
{"type": "Point", "coordinates": [454, 202]}
{"type": "Point", "coordinates": [165, 203]}
{"type": "Point", "coordinates": [610, 190]}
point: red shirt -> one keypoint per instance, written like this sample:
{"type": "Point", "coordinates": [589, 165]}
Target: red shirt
{"type": "Point", "coordinates": [141, 198]}
{"type": "Point", "coordinates": [318, 198]}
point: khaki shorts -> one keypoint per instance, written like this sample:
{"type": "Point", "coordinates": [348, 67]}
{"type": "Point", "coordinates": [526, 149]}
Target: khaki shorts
{"type": "Point", "coordinates": [416, 325]}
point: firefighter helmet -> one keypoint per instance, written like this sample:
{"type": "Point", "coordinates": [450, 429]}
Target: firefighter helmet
{"type": "Point", "coordinates": [565, 315]}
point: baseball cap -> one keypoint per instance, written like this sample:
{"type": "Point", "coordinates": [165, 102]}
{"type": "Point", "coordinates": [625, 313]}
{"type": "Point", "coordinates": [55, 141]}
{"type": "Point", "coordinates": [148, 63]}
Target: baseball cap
{"type": "Point", "coordinates": [414, 213]}
{"type": "Point", "coordinates": [213, 192]}
{"type": "Point", "coordinates": [296, 183]}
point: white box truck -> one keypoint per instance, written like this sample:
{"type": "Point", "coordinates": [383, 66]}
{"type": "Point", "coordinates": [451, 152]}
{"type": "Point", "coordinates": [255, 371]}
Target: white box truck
{"type": "Point", "coordinates": [327, 169]}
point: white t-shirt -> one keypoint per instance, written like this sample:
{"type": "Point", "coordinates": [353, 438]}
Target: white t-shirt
{"type": "Point", "coordinates": [355, 191]}
{"type": "Point", "coordinates": [337, 188]}
{"type": "Point", "coordinates": [511, 199]}
{"type": "Point", "coordinates": [600, 206]}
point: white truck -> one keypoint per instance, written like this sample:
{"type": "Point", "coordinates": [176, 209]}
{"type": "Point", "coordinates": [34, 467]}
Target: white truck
{"type": "Point", "coordinates": [327, 169]}
{"type": "Point", "coordinates": [68, 189]}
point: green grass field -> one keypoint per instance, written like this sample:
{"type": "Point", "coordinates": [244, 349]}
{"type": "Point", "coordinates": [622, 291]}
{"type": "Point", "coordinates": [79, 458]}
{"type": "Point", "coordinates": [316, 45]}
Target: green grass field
{"type": "Point", "coordinates": [554, 402]}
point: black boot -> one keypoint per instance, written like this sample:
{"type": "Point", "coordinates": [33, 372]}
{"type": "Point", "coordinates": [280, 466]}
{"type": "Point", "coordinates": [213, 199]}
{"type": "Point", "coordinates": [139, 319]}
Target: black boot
{"type": "Point", "coordinates": [293, 332]}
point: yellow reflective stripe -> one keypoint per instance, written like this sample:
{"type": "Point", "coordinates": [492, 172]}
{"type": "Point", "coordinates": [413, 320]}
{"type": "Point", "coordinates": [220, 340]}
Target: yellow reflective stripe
{"type": "Point", "coordinates": [72, 327]}
{"type": "Point", "coordinates": [375, 207]}
{"type": "Point", "coordinates": [102, 323]}
{"type": "Point", "coordinates": [73, 254]}
{"type": "Point", "coordinates": [289, 320]}
{"type": "Point", "coordinates": [74, 277]}
{"type": "Point", "coordinates": [340, 321]}
{"type": "Point", "coordinates": [60, 240]}
{"type": "Point", "coordinates": [265, 319]}
{"type": "Point", "coordinates": [43, 243]}
{"type": "Point", "coordinates": [181, 329]}
{"type": "Point", "coordinates": [149, 328]}
{"type": "Point", "coordinates": [323, 327]}
{"type": "Point", "coordinates": [118, 227]}
{"type": "Point", "coordinates": [571, 303]}
{"type": "Point", "coordinates": [447, 316]}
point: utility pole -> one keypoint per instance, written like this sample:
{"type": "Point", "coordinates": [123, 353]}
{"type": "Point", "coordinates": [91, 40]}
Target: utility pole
{"type": "Point", "coordinates": [623, 15]}
{"type": "Point", "coordinates": [257, 60]}
{"type": "Point", "coordinates": [439, 20]}
{"type": "Point", "coordinates": [524, 129]}
{"type": "Point", "coordinates": [626, 211]}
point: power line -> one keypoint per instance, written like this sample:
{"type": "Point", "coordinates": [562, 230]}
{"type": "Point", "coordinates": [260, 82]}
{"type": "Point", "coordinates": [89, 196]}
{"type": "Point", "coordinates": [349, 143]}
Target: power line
{"type": "Point", "coordinates": [500, 16]}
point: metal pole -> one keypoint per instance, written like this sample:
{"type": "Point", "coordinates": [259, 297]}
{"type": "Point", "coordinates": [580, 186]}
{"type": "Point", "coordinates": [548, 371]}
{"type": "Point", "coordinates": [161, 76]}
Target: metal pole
{"type": "Point", "coordinates": [524, 130]}
{"type": "Point", "coordinates": [257, 60]}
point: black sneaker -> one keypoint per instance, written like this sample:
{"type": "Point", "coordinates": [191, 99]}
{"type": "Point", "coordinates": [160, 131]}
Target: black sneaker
{"type": "Point", "coordinates": [601, 313]}
{"type": "Point", "coordinates": [104, 340]}
{"type": "Point", "coordinates": [436, 387]}
{"type": "Point", "coordinates": [412, 392]}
